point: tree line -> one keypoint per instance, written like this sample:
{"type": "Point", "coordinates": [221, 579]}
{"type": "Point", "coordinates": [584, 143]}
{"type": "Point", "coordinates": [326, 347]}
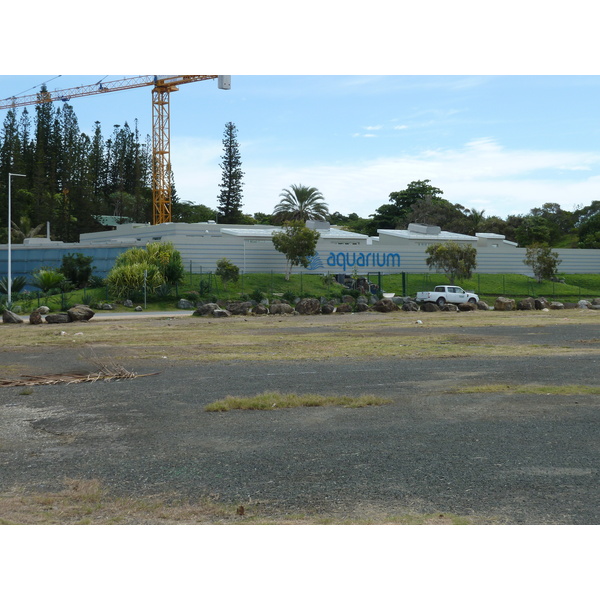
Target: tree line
{"type": "Point", "coordinates": [72, 177]}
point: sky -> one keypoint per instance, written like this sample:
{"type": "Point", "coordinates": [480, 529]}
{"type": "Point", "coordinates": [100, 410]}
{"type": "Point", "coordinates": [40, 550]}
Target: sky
{"type": "Point", "coordinates": [497, 108]}
{"type": "Point", "coordinates": [499, 143]}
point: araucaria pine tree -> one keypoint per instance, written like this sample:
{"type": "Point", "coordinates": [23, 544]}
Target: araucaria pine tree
{"type": "Point", "coordinates": [230, 197]}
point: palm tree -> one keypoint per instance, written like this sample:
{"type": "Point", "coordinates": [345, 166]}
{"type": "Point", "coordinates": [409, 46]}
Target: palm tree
{"type": "Point", "coordinates": [301, 203]}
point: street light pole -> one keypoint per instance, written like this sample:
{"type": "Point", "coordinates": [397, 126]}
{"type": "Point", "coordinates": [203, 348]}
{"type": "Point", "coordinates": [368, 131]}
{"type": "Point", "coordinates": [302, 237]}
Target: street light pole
{"type": "Point", "coordinates": [9, 278]}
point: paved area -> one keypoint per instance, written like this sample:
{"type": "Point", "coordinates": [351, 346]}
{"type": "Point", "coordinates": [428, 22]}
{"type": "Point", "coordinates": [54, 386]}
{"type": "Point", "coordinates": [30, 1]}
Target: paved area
{"type": "Point", "coordinates": [504, 458]}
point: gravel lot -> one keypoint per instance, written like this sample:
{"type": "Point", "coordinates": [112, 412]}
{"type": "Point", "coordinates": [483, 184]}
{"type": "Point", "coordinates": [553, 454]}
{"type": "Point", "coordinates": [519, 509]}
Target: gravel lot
{"type": "Point", "coordinates": [501, 458]}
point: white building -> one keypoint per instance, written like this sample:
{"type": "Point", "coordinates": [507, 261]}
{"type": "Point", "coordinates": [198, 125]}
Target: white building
{"type": "Point", "coordinates": [338, 251]}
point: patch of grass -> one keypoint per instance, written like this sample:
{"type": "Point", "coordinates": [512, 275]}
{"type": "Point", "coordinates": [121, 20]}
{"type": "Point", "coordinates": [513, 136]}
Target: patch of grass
{"type": "Point", "coordinates": [86, 502]}
{"type": "Point", "coordinates": [275, 400]}
{"type": "Point", "coordinates": [555, 390]}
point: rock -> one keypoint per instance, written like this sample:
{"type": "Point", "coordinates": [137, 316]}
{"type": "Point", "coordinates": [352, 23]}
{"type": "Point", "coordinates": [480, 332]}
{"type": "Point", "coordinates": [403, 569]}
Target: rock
{"type": "Point", "coordinates": [526, 304]}
{"type": "Point", "coordinates": [239, 308]}
{"type": "Point", "coordinates": [450, 307]}
{"type": "Point", "coordinates": [584, 304]}
{"type": "Point", "coordinates": [596, 302]}
{"type": "Point", "coordinates": [58, 318]}
{"type": "Point", "coordinates": [362, 299]}
{"type": "Point", "coordinates": [541, 303]}
{"type": "Point", "coordinates": [281, 308]}
{"type": "Point", "coordinates": [138, 309]}
{"type": "Point", "coordinates": [107, 306]}
{"type": "Point", "coordinates": [410, 306]}
{"type": "Point", "coordinates": [594, 306]}
{"type": "Point", "coordinates": [363, 306]}
{"type": "Point", "coordinates": [308, 306]}
{"type": "Point", "coordinates": [467, 306]}
{"type": "Point", "coordinates": [430, 307]}
{"type": "Point", "coordinates": [80, 312]}
{"type": "Point", "coordinates": [570, 305]}
{"type": "Point", "coordinates": [260, 309]}
{"type": "Point", "coordinates": [481, 305]}
{"type": "Point", "coordinates": [182, 304]}
{"type": "Point", "coordinates": [347, 299]}
{"type": "Point", "coordinates": [385, 305]}
{"type": "Point", "coordinates": [221, 312]}
{"type": "Point", "coordinates": [206, 309]}
{"type": "Point", "coordinates": [43, 310]}
{"type": "Point", "coordinates": [328, 308]}
{"type": "Point", "coordinates": [8, 316]}
{"type": "Point", "coordinates": [503, 303]}
{"type": "Point", "coordinates": [128, 304]}
{"type": "Point", "coordinates": [35, 318]}
{"type": "Point", "coordinates": [556, 305]}
{"type": "Point", "coordinates": [344, 307]}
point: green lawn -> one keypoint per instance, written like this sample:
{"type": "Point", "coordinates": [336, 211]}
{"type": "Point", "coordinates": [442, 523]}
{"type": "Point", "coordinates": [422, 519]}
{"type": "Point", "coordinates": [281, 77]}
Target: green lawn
{"type": "Point", "coordinates": [208, 287]}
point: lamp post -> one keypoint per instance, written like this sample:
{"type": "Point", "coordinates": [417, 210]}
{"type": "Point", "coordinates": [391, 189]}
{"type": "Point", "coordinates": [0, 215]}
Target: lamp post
{"type": "Point", "coordinates": [9, 278]}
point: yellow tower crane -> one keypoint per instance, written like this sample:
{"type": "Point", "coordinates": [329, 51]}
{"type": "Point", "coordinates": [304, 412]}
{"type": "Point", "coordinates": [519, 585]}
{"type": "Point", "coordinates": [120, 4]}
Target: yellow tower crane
{"type": "Point", "coordinates": [161, 129]}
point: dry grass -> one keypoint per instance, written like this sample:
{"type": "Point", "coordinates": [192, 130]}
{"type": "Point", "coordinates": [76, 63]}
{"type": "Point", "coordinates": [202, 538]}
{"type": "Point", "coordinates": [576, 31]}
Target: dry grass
{"type": "Point", "coordinates": [85, 502]}
{"type": "Point", "coordinates": [359, 335]}
{"type": "Point", "coordinates": [276, 400]}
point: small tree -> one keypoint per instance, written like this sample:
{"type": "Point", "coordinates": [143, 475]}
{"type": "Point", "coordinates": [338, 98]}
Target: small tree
{"type": "Point", "coordinates": [298, 243]}
{"type": "Point", "coordinates": [542, 260]}
{"type": "Point", "coordinates": [227, 271]}
{"type": "Point", "coordinates": [456, 260]}
{"type": "Point", "coordinates": [77, 268]}
{"type": "Point", "coordinates": [230, 197]}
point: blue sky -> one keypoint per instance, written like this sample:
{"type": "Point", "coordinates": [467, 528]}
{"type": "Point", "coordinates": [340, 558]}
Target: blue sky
{"type": "Point", "coordinates": [502, 143]}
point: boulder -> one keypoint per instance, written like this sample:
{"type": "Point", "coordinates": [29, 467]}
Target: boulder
{"type": "Point", "coordinates": [584, 304]}
{"type": "Point", "coordinates": [449, 308]}
{"type": "Point", "coordinates": [35, 318]}
{"type": "Point", "coordinates": [138, 309]}
{"type": "Point", "coordinates": [43, 310]}
{"type": "Point", "coordinates": [328, 308]}
{"type": "Point", "coordinates": [467, 306]}
{"type": "Point", "coordinates": [128, 303]}
{"type": "Point", "coordinates": [347, 299]}
{"type": "Point", "coordinates": [80, 312]}
{"type": "Point", "coordinates": [281, 308]}
{"type": "Point", "coordinates": [385, 305]}
{"type": "Point", "coordinates": [363, 307]}
{"type": "Point", "coordinates": [184, 304]}
{"type": "Point", "coordinates": [526, 304]}
{"type": "Point", "coordinates": [481, 305]}
{"type": "Point", "coordinates": [556, 305]}
{"type": "Point", "coordinates": [344, 307]}
{"type": "Point", "coordinates": [541, 303]}
{"type": "Point", "coordinates": [430, 307]}
{"type": "Point", "coordinates": [410, 306]}
{"type": "Point", "coordinates": [221, 312]}
{"type": "Point", "coordinates": [570, 305]}
{"type": "Point", "coordinates": [58, 318]}
{"type": "Point", "coordinates": [239, 308]}
{"type": "Point", "coordinates": [260, 309]}
{"type": "Point", "coordinates": [503, 303]}
{"type": "Point", "coordinates": [596, 301]}
{"type": "Point", "coordinates": [206, 309]}
{"type": "Point", "coordinates": [308, 306]}
{"type": "Point", "coordinates": [106, 306]}
{"type": "Point", "coordinates": [8, 316]}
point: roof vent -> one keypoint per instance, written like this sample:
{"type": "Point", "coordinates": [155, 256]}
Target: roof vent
{"type": "Point", "coordinates": [426, 229]}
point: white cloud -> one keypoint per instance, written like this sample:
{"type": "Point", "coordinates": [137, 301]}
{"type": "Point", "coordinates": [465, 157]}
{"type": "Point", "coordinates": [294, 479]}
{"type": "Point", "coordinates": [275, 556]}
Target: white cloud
{"type": "Point", "coordinates": [482, 174]}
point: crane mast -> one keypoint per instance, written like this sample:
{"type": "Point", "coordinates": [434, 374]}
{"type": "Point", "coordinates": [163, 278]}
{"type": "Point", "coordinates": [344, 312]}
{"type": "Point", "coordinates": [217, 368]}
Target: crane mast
{"type": "Point", "coordinates": [161, 122]}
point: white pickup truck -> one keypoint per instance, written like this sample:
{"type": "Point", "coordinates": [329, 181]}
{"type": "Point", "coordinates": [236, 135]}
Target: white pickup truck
{"type": "Point", "coordinates": [447, 293]}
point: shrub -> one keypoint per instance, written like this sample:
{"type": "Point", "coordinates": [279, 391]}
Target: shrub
{"type": "Point", "coordinates": [227, 271]}
{"type": "Point", "coordinates": [18, 283]}
{"type": "Point", "coordinates": [77, 268]}
{"type": "Point", "coordinates": [257, 295]}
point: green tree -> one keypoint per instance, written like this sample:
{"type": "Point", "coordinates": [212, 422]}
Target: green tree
{"type": "Point", "coordinates": [230, 197]}
{"type": "Point", "coordinates": [227, 271]}
{"type": "Point", "coordinates": [542, 260]}
{"type": "Point", "coordinates": [456, 260]}
{"type": "Point", "coordinates": [300, 203]}
{"type": "Point", "coordinates": [298, 243]}
{"type": "Point", "coordinates": [77, 268]}
{"type": "Point", "coordinates": [395, 215]}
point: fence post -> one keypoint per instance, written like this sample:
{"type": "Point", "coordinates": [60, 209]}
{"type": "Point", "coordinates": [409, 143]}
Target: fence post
{"type": "Point", "coordinates": [404, 284]}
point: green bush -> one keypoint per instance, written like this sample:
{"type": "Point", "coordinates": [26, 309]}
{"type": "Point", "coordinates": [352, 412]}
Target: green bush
{"type": "Point", "coordinates": [77, 268]}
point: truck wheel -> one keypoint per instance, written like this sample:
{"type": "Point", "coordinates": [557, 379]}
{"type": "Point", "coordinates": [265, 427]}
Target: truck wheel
{"type": "Point", "coordinates": [472, 301]}
{"type": "Point", "coordinates": [440, 301]}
